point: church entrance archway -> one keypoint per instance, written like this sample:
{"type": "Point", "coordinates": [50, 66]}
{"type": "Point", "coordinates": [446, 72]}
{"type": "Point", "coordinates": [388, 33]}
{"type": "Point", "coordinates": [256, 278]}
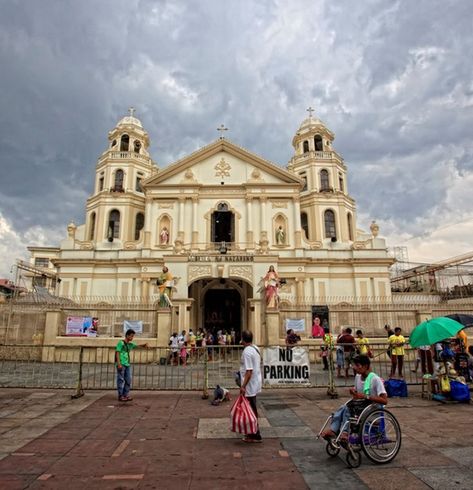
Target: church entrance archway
{"type": "Point", "coordinates": [220, 304]}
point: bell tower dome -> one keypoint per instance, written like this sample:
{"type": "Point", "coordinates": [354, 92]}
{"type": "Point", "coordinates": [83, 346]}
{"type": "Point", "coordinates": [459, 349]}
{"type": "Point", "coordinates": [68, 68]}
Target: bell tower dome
{"type": "Point", "coordinates": [115, 211]}
{"type": "Point", "coordinates": [327, 211]}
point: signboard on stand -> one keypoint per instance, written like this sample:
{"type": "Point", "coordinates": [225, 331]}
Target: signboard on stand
{"type": "Point", "coordinates": [282, 365]}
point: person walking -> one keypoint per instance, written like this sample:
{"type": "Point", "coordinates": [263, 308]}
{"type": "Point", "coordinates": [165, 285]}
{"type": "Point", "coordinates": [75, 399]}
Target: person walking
{"type": "Point", "coordinates": [122, 362]}
{"type": "Point", "coordinates": [251, 382]}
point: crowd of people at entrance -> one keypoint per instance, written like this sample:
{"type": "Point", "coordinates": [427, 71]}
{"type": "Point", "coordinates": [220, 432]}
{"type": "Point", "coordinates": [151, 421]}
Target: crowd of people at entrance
{"type": "Point", "coordinates": [188, 347]}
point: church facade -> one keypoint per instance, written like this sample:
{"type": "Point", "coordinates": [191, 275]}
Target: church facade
{"type": "Point", "coordinates": [218, 219]}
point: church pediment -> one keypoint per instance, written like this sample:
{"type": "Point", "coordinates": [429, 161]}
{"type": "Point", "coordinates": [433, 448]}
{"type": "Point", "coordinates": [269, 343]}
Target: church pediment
{"type": "Point", "coordinates": [222, 161]}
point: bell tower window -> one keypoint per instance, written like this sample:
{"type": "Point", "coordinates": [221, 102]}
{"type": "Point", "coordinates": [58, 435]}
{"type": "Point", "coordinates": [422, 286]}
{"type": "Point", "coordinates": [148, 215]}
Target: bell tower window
{"type": "Point", "coordinates": [318, 143]}
{"type": "Point", "coordinates": [101, 181]}
{"type": "Point", "coordinates": [330, 229]}
{"type": "Point", "coordinates": [139, 224]}
{"type": "Point", "coordinates": [305, 224]}
{"type": "Point", "coordinates": [324, 180]}
{"type": "Point", "coordinates": [113, 225]}
{"type": "Point", "coordinates": [124, 143]}
{"type": "Point", "coordinates": [305, 147]}
{"type": "Point", "coordinates": [340, 182]}
{"type": "Point", "coordinates": [137, 146]}
{"type": "Point", "coordinates": [118, 185]}
{"type": "Point", "coordinates": [92, 227]}
{"type": "Point", "coordinates": [303, 176]}
{"type": "Point", "coordinates": [138, 186]}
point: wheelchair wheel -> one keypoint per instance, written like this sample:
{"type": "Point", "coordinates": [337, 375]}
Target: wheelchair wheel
{"type": "Point", "coordinates": [332, 450]}
{"type": "Point", "coordinates": [353, 459]}
{"type": "Point", "coordinates": [380, 436]}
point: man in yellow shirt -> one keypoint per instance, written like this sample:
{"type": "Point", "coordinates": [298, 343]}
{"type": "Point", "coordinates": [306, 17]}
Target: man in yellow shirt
{"type": "Point", "coordinates": [362, 344]}
{"type": "Point", "coordinates": [396, 343]}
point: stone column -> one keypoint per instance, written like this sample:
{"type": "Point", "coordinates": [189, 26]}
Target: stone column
{"type": "Point", "coordinates": [148, 224]}
{"type": "Point", "coordinates": [272, 327]}
{"type": "Point", "coordinates": [249, 223]}
{"type": "Point", "coordinates": [145, 288]}
{"type": "Point", "coordinates": [300, 290]}
{"type": "Point", "coordinates": [195, 230]}
{"type": "Point", "coordinates": [297, 224]}
{"type": "Point", "coordinates": [163, 326]}
{"type": "Point", "coordinates": [181, 227]}
{"type": "Point", "coordinates": [263, 200]}
{"type": "Point", "coordinates": [254, 321]}
{"type": "Point", "coordinates": [51, 331]}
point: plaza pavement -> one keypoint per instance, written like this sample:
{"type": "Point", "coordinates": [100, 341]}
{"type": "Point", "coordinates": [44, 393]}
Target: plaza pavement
{"type": "Point", "coordinates": [176, 440]}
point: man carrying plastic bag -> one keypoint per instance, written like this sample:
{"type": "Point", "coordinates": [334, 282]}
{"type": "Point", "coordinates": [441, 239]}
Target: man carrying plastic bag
{"type": "Point", "coordinates": [244, 413]}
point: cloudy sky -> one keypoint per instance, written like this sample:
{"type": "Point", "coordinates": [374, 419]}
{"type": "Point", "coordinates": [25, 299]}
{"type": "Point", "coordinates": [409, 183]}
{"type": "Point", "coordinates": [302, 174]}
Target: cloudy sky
{"type": "Point", "coordinates": [392, 79]}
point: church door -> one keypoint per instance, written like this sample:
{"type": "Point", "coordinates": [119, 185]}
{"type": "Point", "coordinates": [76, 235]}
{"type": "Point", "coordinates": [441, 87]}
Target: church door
{"type": "Point", "coordinates": [223, 225]}
{"type": "Point", "coordinates": [222, 311]}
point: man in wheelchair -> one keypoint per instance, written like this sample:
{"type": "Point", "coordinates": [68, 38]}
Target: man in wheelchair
{"type": "Point", "coordinates": [368, 389]}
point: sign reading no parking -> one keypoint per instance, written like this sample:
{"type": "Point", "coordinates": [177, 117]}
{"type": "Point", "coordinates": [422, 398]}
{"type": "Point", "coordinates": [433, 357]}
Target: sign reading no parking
{"type": "Point", "coordinates": [283, 365]}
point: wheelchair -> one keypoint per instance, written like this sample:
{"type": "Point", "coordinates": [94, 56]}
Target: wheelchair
{"type": "Point", "coordinates": [371, 429]}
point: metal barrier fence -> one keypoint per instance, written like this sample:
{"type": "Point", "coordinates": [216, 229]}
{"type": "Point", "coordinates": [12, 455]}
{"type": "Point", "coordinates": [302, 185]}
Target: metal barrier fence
{"type": "Point", "coordinates": [33, 366]}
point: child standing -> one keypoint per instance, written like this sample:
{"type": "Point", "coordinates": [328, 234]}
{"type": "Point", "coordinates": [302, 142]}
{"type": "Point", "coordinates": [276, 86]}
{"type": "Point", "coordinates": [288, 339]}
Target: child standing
{"type": "Point", "coordinates": [122, 362]}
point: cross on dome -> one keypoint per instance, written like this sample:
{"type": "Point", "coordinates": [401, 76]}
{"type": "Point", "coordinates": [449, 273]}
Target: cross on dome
{"type": "Point", "coordinates": [221, 129]}
{"type": "Point", "coordinates": [132, 110]}
{"type": "Point", "coordinates": [310, 111]}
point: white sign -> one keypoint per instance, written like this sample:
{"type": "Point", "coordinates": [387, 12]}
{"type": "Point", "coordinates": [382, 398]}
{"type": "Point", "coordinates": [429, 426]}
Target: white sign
{"type": "Point", "coordinates": [136, 325]}
{"type": "Point", "coordinates": [78, 325]}
{"type": "Point", "coordinates": [297, 324]}
{"type": "Point", "coordinates": [282, 365]}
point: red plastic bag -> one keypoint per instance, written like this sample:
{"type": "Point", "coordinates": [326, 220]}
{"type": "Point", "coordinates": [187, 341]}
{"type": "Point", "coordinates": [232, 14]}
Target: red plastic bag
{"type": "Point", "coordinates": [244, 420]}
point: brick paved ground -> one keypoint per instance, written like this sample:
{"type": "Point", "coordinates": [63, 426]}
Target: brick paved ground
{"type": "Point", "coordinates": [176, 440]}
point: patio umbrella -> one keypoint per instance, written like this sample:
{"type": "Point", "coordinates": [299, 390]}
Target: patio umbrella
{"type": "Point", "coordinates": [463, 318]}
{"type": "Point", "coordinates": [435, 330]}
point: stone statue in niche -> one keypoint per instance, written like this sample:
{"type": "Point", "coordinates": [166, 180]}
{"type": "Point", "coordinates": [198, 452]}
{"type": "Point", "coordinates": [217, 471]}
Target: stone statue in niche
{"type": "Point", "coordinates": [164, 236]}
{"type": "Point", "coordinates": [280, 236]}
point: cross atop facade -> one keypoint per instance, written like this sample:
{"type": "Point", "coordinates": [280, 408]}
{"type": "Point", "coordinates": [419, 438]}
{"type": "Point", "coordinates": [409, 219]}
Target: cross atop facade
{"type": "Point", "coordinates": [131, 110]}
{"type": "Point", "coordinates": [221, 129]}
{"type": "Point", "coordinates": [310, 111]}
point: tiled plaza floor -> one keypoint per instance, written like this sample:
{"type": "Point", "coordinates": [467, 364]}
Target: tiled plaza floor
{"type": "Point", "coordinates": [176, 440]}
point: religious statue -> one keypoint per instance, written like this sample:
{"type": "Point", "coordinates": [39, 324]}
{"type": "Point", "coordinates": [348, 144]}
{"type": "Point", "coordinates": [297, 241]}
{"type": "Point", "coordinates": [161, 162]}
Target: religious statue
{"type": "Point", "coordinates": [164, 236]}
{"type": "Point", "coordinates": [271, 286]}
{"type": "Point", "coordinates": [280, 236]}
{"type": "Point", "coordinates": [374, 227]}
{"type": "Point", "coordinates": [165, 284]}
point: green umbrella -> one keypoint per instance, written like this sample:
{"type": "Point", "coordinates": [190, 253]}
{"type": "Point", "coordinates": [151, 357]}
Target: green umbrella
{"type": "Point", "coordinates": [435, 330]}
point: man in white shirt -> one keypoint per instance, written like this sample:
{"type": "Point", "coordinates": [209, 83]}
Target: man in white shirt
{"type": "Point", "coordinates": [251, 381]}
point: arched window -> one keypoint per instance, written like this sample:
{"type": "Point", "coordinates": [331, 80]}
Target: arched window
{"type": "Point", "coordinates": [340, 182]}
{"type": "Point", "coordinates": [92, 227]}
{"type": "Point", "coordinates": [118, 187]}
{"type": "Point", "coordinates": [350, 226]}
{"type": "Point", "coordinates": [139, 223]}
{"type": "Point", "coordinates": [113, 225]}
{"type": "Point", "coordinates": [305, 224]}
{"type": "Point", "coordinates": [101, 181]}
{"type": "Point", "coordinates": [124, 143]}
{"type": "Point", "coordinates": [305, 147]}
{"type": "Point", "coordinates": [114, 142]}
{"type": "Point", "coordinates": [303, 176]}
{"type": "Point", "coordinates": [318, 143]}
{"type": "Point", "coordinates": [324, 180]}
{"type": "Point", "coordinates": [137, 146]}
{"type": "Point", "coordinates": [329, 219]}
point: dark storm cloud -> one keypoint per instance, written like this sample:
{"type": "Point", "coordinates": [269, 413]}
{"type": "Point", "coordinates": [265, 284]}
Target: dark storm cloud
{"type": "Point", "coordinates": [392, 79]}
